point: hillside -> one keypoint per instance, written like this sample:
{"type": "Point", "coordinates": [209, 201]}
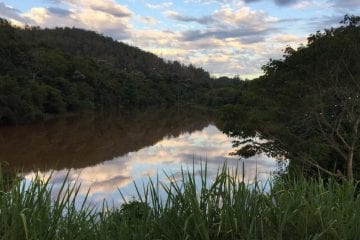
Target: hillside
{"type": "Point", "coordinates": [51, 71]}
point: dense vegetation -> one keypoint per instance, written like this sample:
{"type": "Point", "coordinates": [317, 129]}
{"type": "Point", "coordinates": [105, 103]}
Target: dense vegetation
{"type": "Point", "coordinates": [224, 209]}
{"type": "Point", "coordinates": [52, 71]}
{"type": "Point", "coordinates": [307, 105]}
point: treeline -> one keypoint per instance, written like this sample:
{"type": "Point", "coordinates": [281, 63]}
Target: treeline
{"type": "Point", "coordinates": [306, 105]}
{"type": "Point", "coordinates": [52, 71]}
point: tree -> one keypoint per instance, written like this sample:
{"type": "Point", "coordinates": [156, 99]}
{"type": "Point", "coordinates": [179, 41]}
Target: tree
{"type": "Point", "coordinates": [337, 113]}
{"type": "Point", "coordinates": [307, 105]}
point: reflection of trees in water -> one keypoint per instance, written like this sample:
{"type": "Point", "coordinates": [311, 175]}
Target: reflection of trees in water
{"type": "Point", "coordinates": [79, 141]}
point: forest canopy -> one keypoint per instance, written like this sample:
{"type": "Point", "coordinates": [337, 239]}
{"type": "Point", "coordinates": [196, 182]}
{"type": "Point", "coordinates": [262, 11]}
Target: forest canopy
{"type": "Point", "coordinates": [52, 71]}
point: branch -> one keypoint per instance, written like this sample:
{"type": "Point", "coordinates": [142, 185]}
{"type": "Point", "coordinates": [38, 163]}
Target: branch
{"type": "Point", "coordinates": [337, 174]}
{"type": "Point", "coordinates": [339, 135]}
{"type": "Point", "coordinates": [332, 142]}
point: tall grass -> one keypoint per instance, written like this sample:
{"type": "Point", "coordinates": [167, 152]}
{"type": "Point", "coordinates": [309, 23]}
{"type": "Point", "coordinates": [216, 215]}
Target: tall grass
{"type": "Point", "coordinates": [225, 208]}
{"type": "Point", "coordinates": [30, 212]}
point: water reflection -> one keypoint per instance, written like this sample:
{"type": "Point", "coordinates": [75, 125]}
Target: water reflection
{"type": "Point", "coordinates": [110, 152]}
{"type": "Point", "coordinates": [88, 139]}
{"type": "Point", "coordinates": [168, 155]}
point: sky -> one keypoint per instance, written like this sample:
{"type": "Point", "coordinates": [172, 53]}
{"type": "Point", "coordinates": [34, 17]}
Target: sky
{"type": "Point", "coordinates": [225, 37]}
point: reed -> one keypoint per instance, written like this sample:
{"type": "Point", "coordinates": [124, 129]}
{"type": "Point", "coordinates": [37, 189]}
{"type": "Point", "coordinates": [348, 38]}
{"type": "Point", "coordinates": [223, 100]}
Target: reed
{"type": "Point", "coordinates": [192, 208]}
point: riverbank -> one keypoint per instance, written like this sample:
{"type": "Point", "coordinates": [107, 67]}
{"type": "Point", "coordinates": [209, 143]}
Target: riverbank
{"type": "Point", "coordinates": [223, 209]}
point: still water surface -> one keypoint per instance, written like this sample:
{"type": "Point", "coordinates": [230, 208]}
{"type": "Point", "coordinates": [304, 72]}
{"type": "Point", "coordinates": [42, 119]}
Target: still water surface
{"type": "Point", "coordinates": [109, 152]}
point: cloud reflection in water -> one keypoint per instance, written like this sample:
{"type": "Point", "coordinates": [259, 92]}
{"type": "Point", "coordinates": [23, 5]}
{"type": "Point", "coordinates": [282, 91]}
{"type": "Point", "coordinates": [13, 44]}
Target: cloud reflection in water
{"type": "Point", "coordinates": [169, 155]}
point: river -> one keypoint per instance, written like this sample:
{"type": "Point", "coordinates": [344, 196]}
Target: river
{"type": "Point", "coordinates": [109, 152]}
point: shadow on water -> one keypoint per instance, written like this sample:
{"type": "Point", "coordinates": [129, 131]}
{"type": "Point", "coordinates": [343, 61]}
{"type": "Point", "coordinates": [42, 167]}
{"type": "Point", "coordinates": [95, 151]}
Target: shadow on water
{"type": "Point", "coordinates": [88, 139]}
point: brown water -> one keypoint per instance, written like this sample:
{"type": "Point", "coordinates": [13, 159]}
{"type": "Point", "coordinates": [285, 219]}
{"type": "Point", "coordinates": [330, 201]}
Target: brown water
{"type": "Point", "coordinates": [106, 152]}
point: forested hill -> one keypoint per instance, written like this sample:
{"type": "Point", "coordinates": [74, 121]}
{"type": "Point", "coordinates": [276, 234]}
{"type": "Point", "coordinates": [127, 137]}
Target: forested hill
{"type": "Point", "coordinates": [52, 71]}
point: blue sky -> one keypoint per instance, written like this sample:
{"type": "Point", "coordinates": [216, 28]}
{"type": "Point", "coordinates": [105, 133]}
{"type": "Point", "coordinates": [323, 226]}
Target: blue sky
{"type": "Point", "coordinates": [225, 37]}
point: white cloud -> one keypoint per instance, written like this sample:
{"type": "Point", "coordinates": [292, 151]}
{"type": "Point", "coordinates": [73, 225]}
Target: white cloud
{"type": "Point", "coordinates": [234, 28]}
{"type": "Point", "coordinates": [288, 38]}
{"type": "Point", "coordinates": [147, 20]}
{"type": "Point", "coordinates": [225, 23]}
{"type": "Point", "coordinates": [216, 44]}
{"type": "Point", "coordinates": [169, 155]}
{"type": "Point", "coordinates": [108, 6]}
{"type": "Point", "coordinates": [107, 17]}
{"type": "Point", "coordinates": [159, 5]}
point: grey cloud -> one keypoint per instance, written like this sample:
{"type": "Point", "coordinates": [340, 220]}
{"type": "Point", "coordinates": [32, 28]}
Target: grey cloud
{"type": "Point", "coordinates": [118, 33]}
{"type": "Point", "coordinates": [215, 160]}
{"type": "Point", "coordinates": [319, 23]}
{"type": "Point", "coordinates": [202, 20]}
{"type": "Point", "coordinates": [225, 24]}
{"type": "Point", "coordinates": [109, 7]}
{"type": "Point", "coordinates": [59, 11]}
{"type": "Point", "coordinates": [288, 20]}
{"type": "Point", "coordinates": [58, 17]}
{"type": "Point", "coordinates": [286, 2]}
{"type": "Point", "coordinates": [118, 28]}
{"type": "Point", "coordinates": [12, 13]}
{"type": "Point", "coordinates": [346, 4]}
{"type": "Point", "coordinates": [245, 34]}
{"type": "Point", "coordinates": [254, 38]}
{"type": "Point", "coordinates": [112, 11]}
{"type": "Point", "coordinates": [112, 183]}
{"type": "Point", "coordinates": [277, 2]}
{"type": "Point", "coordinates": [330, 20]}
{"type": "Point", "coordinates": [55, 1]}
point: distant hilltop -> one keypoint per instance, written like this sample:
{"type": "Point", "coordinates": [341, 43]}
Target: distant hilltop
{"type": "Point", "coordinates": [52, 71]}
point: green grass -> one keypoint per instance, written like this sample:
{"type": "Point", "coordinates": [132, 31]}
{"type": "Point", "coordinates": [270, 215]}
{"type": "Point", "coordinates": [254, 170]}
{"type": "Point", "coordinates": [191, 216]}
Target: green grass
{"type": "Point", "coordinates": [222, 209]}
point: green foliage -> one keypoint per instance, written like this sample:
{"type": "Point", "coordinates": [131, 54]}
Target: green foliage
{"type": "Point", "coordinates": [30, 212]}
{"type": "Point", "coordinates": [52, 71]}
{"type": "Point", "coordinates": [191, 208]}
{"type": "Point", "coordinates": [306, 104]}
